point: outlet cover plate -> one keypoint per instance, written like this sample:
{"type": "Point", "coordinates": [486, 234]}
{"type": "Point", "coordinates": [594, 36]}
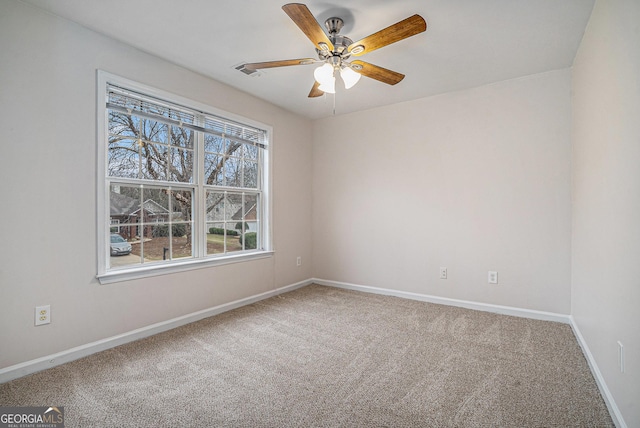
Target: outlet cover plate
{"type": "Point", "coordinates": [43, 315]}
{"type": "Point", "coordinates": [493, 277]}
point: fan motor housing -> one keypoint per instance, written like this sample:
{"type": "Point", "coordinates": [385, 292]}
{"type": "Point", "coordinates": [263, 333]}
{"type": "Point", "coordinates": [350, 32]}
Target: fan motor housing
{"type": "Point", "coordinates": [340, 43]}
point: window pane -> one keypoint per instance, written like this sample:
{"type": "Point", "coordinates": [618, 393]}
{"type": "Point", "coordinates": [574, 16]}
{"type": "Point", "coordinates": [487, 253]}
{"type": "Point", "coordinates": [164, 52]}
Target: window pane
{"type": "Point", "coordinates": [233, 149]}
{"type": "Point", "coordinates": [250, 209]}
{"type": "Point", "coordinates": [154, 131]}
{"type": "Point", "coordinates": [250, 174]}
{"type": "Point", "coordinates": [249, 241]}
{"type": "Point", "coordinates": [233, 242]}
{"type": "Point", "coordinates": [154, 161]}
{"type": "Point", "coordinates": [215, 238]}
{"type": "Point", "coordinates": [233, 207]}
{"type": "Point", "coordinates": [124, 209]}
{"type": "Point", "coordinates": [215, 206]}
{"type": "Point", "coordinates": [249, 217]}
{"type": "Point", "coordinates": [213, 169]}
{"type": "Point", "coordinates": [182, 203]}
{"type": "Point", "coordinates": [181, 167]}
{"type": "Point", "coordinates": [161, 247]}
{"type": "Point", "coordinates": [120, 249]}
{"type": "Point", "coordinates": [221, 238]}
{"type": "Point", "coordinates": [155, 205]}
{"type": "Point", "coordinates": [250, 152]}
{"type": "Point", "coordinates": [123, 158]}
{"type": "Point", "coordinates": [232, 172]}
{"type": "Point", "coordinates": [214, 144]}
{"type": "Point", "coordinates": [182, 240]}
{"type": "Point", "coordinates": [245, 226]}
{"type": "Point", "coordinates": [155, 246]}
{"type": "Point", "coordinates": [123, 125]}
{"type": "Point", "coordinates": [182, 137]}
{"type": "Point", "coordinates": [162, 234]}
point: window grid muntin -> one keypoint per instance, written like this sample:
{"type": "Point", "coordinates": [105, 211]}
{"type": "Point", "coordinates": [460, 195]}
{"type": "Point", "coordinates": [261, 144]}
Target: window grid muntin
{"type": "Point", "coordinates": [170, 223]}
{"type": "Point", "coordinates": [226, 219]}
{"type": "Point", "coordinates": [238, 156]}
{"type": "Point", "coordinates": [236, 131]}
{"type": "Point", "coordinates": [142, 141]}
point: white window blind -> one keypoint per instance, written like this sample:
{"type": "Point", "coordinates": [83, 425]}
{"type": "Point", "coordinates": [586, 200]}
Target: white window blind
{"type": "Point", "coordinates": [129, 102]}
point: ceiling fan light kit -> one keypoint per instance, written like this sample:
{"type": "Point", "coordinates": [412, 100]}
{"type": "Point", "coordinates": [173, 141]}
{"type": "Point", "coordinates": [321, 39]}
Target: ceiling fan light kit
{"type": "Point", "coordinates": [349, 77]}
{"type": "Point", "coordinates": [324, 75]}
{"type": "Point", "coordinates": [335, 50]}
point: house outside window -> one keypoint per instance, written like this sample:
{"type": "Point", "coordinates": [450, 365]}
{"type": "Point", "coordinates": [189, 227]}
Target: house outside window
{"type": "Point", "coordinates": [184, 184]}
{"type": "Point", "coordinates": [115, 225]}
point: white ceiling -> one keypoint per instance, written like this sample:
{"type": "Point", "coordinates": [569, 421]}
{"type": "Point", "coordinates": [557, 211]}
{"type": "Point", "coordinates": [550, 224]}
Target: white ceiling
{"type": "Point", "coordinates": [467, 43]}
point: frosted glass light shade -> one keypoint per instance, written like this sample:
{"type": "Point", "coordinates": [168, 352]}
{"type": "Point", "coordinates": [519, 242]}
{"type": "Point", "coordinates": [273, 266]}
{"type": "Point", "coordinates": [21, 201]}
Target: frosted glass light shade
{"type": "Point", "coordinates": [324, 76]}
{"type": "Point", "coordinates": [349, 77]}
{"type": "Point", "coordinates": [323, 73]}
{"type": "Point", "coordinates": [329, 87]}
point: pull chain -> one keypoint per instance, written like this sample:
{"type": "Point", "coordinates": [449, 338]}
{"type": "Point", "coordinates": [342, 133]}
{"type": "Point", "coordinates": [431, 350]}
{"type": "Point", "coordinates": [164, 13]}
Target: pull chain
{"type": "Point", "coordinates": [334, 104]}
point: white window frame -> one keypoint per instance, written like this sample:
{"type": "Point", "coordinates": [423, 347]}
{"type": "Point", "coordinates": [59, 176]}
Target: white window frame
{"type": "Point", "coordinates": [200, 260]}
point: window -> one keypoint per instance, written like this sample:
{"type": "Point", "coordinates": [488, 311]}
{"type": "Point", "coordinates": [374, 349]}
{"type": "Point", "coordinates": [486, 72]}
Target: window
{"type": "Point", "coordinates": [184, 185]}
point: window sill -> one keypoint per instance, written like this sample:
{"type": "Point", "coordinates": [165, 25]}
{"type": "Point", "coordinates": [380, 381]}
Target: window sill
{"type": "Point", "coordinates": [155, 270]}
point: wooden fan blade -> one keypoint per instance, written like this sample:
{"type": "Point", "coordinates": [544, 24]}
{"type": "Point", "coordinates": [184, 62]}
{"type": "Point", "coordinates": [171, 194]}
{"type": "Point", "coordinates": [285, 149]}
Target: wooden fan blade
{"type": "Point", "coordinates": [315, 91]}
{"type": "Point", "coordinates": [378, 73]}
{"type": "Point", "coordinates": [282, 63]}
{"type": "Point", "coordinates": [400, 30]}
{"type": "Point", "coordinates": [301, 15]}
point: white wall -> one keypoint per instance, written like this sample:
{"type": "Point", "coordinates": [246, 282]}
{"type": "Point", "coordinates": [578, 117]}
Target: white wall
{"type": "Point", "coordinates": [474, 181]}
{"type": "Point", "coordinates": [606, 196]}
{"type": "Point", "coordinates": [48, 159]}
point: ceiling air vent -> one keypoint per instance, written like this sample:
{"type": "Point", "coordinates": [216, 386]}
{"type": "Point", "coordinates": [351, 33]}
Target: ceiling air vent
{"type": "Point", "coordinates": [247, 71]}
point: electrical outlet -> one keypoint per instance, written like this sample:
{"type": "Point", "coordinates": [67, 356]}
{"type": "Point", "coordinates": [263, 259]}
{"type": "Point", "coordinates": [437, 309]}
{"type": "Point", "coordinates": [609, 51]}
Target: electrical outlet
{"type": "Point", "coordinates": [493, 277]}
{"type": "Point", "coordinates": [43, 315]}
{"type": "Point", "coordinates": [298, 261]}
{"type": "Point", "coordinates": [443, 273]}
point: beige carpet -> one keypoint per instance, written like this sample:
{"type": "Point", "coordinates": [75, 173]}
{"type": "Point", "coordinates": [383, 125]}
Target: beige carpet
{"type": "Point", "coordinates": [322, 356]}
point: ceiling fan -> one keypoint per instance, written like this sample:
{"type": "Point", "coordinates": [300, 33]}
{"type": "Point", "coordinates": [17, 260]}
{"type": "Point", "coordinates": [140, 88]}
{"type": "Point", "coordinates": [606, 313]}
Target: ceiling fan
{"type": "Point", "coordinates": [335, 50]}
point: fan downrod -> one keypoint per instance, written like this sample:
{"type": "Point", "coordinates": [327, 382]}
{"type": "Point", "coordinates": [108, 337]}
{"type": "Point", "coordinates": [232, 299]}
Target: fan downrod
{"type": "Point", "coordinates": [334, 25]}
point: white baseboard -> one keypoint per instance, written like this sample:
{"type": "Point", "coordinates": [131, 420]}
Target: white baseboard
{"type": "Point", "coordinates": [486, 307]}
{"type": "Point", "coordinates": [39, 364]}
{"type": "Point", "coordinates": [602, 385]}
{"type": "Point", "coordinates": [505, 310]}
